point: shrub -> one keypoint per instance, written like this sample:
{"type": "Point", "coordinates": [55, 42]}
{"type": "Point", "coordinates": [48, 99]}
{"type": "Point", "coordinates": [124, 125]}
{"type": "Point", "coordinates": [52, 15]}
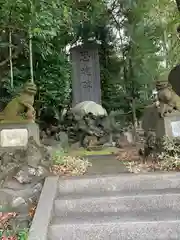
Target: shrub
{"type": "Point", "coordinates": [167, 160]}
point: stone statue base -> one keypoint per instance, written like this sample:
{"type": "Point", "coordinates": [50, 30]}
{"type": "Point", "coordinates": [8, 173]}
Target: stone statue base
{"type": "Point", "coordinates": [16, 135]}
{"type": "Point", "coordinates": [22, 173]}
{"type": "Point", "coordinates": [167, 126]}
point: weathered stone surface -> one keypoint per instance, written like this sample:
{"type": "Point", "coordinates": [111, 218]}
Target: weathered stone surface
{"type": "Point", "coordinates": [126, 183]}
{"type": "Point", "coordinates": [169, 126]}
{"type": "Point", "coordinates": [126, 206]}
{"type": "Point", "coordinates": [86, 74]}
{"type": "Point", "coordinates": [150, 112]}
{"type": "Point", "coordinates": [17, 134]}
{"type": "Point", "coordinates": [22, 172]}
{"type": "Point", "coordinates": [42, 217]}
{"type": "Point", "coordinates": [149, 230]}
{"type": "Point", "coordinates": [5, 199]}
{"type": "Point", "coordinates": [13, 137]}
{"type": "Point", "coordinates": [63, 139]}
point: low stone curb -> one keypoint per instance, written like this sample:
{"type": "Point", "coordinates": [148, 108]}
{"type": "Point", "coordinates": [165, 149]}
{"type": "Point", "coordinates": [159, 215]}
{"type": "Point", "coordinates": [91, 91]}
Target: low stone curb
{"type": "Point", "coordinates": [42, 218]}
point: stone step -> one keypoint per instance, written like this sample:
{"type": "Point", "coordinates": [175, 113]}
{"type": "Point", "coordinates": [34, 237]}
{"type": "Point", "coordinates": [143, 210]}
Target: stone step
{"type": "Point", "coordinates": [116, 230]}
{"type": "Point", "coordinates": [133, 216]}
{"type": "Point", "coordinates": [122, 207]}
{"type": "Point", "coordinates": [121, 204]}
{"type": "Point", "coordinates": [124, 182]}
{"type": "Point", "coordinates": [123, 193]}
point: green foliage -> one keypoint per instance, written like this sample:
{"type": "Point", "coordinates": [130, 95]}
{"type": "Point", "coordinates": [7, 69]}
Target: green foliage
{"type": "Point", "coordinates": [22, 234]}
{"type": "Point", "coordinates": [146, 43]}
{"type": "Point", "coordinates": [58, 157]}
{"type": "Point", "coordinates": [137, 41]}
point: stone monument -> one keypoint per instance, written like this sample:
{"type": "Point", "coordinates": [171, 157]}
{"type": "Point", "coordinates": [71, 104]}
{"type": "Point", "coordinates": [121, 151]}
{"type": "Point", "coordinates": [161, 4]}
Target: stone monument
{"type": "Point", "coordinates": [85, 74]}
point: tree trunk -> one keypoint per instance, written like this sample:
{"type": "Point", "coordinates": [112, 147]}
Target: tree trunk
{"type": "Point", "coordinates": [133, 96]}
{"type": "Point", "coordinates": [10, 58]}
{"type": "Point", "coordinates": [178, 4]}
{"type": "Point", "coordinates": [30, 45]}
{"type": "Point", "coordinates": [134, 119]}
{"type": "Point", "coordinates": [31, 57]}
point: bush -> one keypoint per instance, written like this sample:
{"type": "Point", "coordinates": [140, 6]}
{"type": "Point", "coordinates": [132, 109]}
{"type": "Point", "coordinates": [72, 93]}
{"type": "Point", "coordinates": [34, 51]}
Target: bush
{"type": "Point", "coordinates": [167, 160]}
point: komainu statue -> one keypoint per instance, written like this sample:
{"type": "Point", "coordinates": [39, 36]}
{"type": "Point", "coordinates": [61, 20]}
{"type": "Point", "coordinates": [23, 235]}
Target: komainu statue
{"type": "Point", "coordinates": [20, 109]}
{"type": "Point", "coordinates": [169, 101]}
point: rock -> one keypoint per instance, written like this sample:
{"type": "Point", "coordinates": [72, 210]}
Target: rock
{"type": "Point", "coordinates": [110, 144]}
{"type": "Point", "coordinates": [29, 175]}
{"type": "Point", "coordinates": [129, 137]}
{"type": "Point", "coordinates": [23, 172]}
{"type": "Point", "coordinates": [13, 184]}
{"type": "Point", "coordinates": [90, 141]}
{"type": "Point", "coordinates": [62, 137]}
{"type": "Point", "coordinates": [5, 199]}
{"type": "Point", "coordinates": [34, 158]}
{"type": "Point", "coordinates": [23, 221]}
{"type": "Point", "coordinates": [23, 175]}
{"type": "Point", "coordinates": [18, 201]}
{"type": "Point", "coordinates": [76, 146]}
{"type": "Point", "coordinates": [27, 193]}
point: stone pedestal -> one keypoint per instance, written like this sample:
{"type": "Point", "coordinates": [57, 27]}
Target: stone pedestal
{"type": "Point", "coordinates": [24, 164]}
{"type": "Point", "coordinates": [16, 135]}
{"type": "Point", "coordinates": [169, 126]}
{"type": "Point", "coordinates": [150, 118]}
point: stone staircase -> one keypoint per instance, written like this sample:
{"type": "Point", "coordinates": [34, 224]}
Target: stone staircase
{"type": "Point", "coordinates": [118, 207]}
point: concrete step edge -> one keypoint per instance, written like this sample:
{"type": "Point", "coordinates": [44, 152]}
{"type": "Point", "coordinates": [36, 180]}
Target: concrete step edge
{"type": "Point", "coordinates": [43, 214]}
{"type": "Point", "coordinates": [148, 175]}
{"type": "Point", "coordinates": [159, 230]}
{"type": "Point", "coordinates": [117, 204]}
{"type": "Point", "coordinates": [133, 216]}
{"type": "Point", "coordinates": [138, 192]}
{"type": "Point", "coordinates": [119, 182]}
{"type": "Point", "coordinates": [113, 222]}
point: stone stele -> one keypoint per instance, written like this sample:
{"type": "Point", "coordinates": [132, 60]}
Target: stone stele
{"type": "Point", "coordinates": [86, 84]}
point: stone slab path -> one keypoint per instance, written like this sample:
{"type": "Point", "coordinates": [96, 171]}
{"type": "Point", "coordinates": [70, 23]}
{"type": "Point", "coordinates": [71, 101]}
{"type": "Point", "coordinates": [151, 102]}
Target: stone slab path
{"type": "Point", "coordinates": [105, 164]}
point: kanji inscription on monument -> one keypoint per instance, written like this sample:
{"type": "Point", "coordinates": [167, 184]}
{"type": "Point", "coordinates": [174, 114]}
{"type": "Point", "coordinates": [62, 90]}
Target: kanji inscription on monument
{"type": "Point", "coordinates": [85, 74]}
